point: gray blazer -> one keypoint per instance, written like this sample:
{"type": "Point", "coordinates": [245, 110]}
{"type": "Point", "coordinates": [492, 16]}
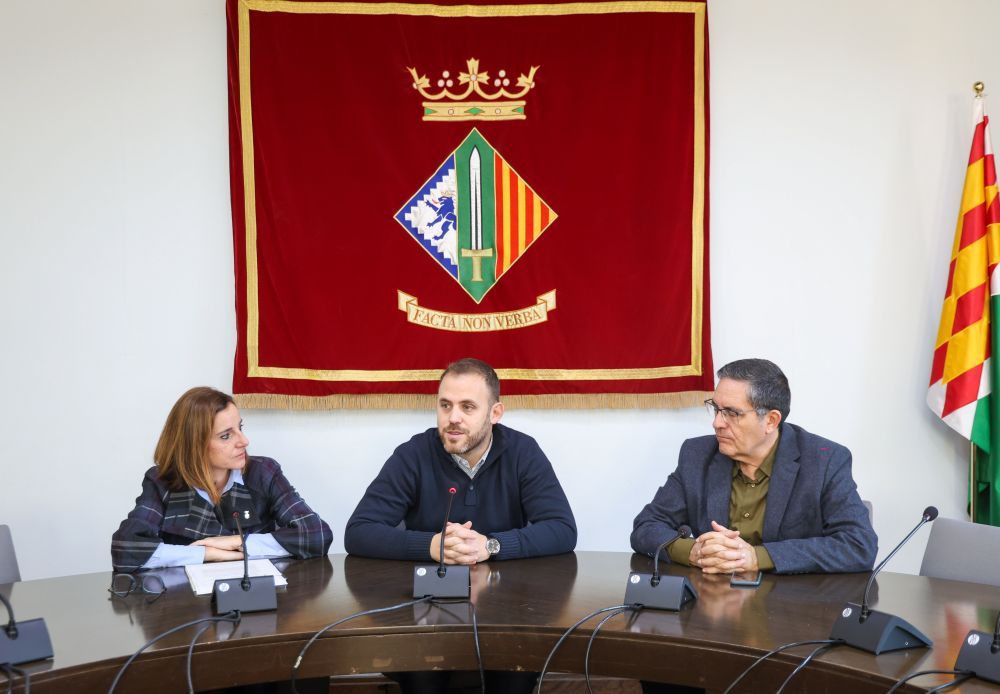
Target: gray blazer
{"type": "Point", "coordinates": [814, 520]}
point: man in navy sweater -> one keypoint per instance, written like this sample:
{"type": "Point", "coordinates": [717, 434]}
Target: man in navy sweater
{"type": "Point", "coordinates": [508, 505]}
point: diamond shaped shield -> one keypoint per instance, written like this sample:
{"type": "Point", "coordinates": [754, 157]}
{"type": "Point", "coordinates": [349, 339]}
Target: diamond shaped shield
{"type": "Point", "coordinates": [475, 216]}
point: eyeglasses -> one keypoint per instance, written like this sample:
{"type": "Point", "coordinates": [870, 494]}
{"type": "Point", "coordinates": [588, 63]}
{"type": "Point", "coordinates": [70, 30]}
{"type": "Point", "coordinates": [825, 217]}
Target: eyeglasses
{"type": "Point", "coordinates": [728, 413]}
{"type": "Point", "coordinates": [123, 585]}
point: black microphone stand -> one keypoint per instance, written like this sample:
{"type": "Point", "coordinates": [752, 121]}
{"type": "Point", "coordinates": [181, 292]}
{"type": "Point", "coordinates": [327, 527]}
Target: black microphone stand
{"type": "Point", "coordinates": [247, 594]}
{"type": "Point", "coordinates": [980, 654]}
{"type": "Point", "coordinates": [656, 592]}
{"type": "Point", "coordinates": [22, 642]}
{"type": "Point", "coordinates": [442, 581]}
{"type": "Point", "coordinates": [877, 632]}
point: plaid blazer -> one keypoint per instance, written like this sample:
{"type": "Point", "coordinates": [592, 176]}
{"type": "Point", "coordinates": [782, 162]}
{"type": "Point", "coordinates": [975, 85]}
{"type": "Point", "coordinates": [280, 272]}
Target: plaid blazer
{"type": "Point", "coordinates": [181, 517]}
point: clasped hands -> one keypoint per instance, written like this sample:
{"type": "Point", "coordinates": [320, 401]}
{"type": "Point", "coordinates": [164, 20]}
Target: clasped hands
{"type": "Point", "coordinates": [222, 548]}
{"type": "Point", "coordinates": [462, 545]}
{"type": "Point", "coordinates": [722, 550]}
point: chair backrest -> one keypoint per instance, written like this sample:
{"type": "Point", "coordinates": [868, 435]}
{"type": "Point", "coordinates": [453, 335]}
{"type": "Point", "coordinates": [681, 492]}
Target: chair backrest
{"type": "Point", "coordinates": [962, 551]}
{"type": "Point", "coordinates": [9, 572]}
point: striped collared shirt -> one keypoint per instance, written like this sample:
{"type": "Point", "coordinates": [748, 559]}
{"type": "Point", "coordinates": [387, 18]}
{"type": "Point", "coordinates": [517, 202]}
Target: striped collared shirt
{"type": "Point", "coordinates": [471, 470]}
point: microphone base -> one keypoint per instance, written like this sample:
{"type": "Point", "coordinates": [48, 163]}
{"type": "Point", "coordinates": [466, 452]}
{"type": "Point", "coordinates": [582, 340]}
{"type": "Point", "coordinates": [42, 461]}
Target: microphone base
{"type": "Point", "coordinates": [454, 583]}
{"type": "Point", "coordinates": [671, 593]}
{"type": "Point", "coordinates": [977, 656]}
{"type": "Point", "coordinates": [32, 642]}
{"type": "Point", "coordinates": [228, 595]}
{"type": "Point", "coordinates": [879, 633]}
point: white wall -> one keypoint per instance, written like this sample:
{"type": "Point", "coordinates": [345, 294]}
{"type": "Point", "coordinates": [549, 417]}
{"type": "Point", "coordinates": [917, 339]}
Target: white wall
{"type": "Point", "coordinates": [839, 137]}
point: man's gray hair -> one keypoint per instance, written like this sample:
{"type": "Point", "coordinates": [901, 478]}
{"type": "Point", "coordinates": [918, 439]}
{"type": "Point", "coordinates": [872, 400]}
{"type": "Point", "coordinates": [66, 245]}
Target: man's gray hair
{"type": "Point", "coordinates": [767, 386]}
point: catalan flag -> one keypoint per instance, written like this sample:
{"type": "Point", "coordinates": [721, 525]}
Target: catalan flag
{"type": "Point", "coordinates": [962, 380]}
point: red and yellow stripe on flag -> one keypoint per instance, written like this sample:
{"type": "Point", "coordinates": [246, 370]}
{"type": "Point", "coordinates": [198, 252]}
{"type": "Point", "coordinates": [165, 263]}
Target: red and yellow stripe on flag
{"type": "Point", "coordinates": [960, 376]}
{"type": "Point", "coordinates": [521, 215]}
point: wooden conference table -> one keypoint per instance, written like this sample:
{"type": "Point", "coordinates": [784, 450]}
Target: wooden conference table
{"type": "Point", "coordinates": [522, 608]}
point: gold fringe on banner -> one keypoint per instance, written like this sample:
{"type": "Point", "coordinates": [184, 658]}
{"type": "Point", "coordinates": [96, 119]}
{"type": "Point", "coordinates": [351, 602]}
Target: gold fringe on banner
{"type": "Point", "coordinates": [594, 401]}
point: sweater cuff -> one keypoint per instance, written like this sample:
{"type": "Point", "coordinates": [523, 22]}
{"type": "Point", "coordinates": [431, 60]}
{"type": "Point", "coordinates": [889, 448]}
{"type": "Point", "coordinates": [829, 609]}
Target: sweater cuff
{"type": "Point", "coordinates": [680, 551]}
{"type": "Point", "coordinates": [418, 545]}
{"type": "Point", "coordinates": [510, 545]}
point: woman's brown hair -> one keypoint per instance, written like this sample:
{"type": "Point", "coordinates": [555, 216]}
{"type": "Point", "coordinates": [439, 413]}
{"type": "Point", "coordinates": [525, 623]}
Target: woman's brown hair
{"type": "Point", "coordinates": [182, 451]}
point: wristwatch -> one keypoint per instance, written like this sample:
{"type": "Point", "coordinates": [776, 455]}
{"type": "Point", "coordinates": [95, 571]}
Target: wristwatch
{"type": "Point", "coordinates": [492, 546]}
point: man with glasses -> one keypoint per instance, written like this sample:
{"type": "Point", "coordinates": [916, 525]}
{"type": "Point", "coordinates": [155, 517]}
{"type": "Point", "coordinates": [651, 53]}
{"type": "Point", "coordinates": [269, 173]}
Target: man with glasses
{"type": "Point", "coordinates": [761, 494]}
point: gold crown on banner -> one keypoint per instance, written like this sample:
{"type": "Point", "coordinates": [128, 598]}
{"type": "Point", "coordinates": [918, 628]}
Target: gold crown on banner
{"type": "Point", "coordinates": [476, 102]}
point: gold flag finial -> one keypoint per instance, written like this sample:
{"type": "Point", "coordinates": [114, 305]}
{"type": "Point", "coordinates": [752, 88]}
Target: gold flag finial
{"type": "Point", "coordinates": [978, 88]}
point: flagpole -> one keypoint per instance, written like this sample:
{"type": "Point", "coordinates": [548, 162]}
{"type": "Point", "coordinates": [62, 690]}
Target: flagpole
{"type": "Point", "coordinates": [972, 481]}
{"type": "Point", "coordinates": [963, 385]}
{"type": "Point", "coordinates": [978, 88]}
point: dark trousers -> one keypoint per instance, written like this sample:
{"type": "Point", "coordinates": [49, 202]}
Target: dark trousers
{"type": "Point", "coordinates": [438, 681]}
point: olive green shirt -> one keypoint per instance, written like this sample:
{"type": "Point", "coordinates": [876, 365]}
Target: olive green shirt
{"type": "Point", "coordinates": [747, 503]}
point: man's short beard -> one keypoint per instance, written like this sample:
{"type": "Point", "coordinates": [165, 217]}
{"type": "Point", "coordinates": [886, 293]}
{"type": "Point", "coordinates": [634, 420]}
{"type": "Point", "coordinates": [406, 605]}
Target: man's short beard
{"type": "Point", "coordinates": [462, 450]}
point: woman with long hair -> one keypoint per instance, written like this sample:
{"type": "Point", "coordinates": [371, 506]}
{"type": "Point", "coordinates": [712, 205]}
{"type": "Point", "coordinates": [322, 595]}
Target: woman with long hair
{"type": "Point", "coordinates": [203, 477]}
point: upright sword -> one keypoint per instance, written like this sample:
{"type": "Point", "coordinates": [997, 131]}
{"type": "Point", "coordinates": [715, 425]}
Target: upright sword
{"type": "Point", "coordinates": [477, 252]}
{"type": "Point", "coordinates": [476, 199]}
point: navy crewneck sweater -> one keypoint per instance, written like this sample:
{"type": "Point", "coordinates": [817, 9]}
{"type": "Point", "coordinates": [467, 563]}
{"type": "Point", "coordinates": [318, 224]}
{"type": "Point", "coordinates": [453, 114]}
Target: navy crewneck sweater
{"type": "Point", "coordinates": [514, 497]}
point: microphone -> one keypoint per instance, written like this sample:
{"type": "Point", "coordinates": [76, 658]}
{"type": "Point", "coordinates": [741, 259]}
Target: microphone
{"type": "Point", "coordinates": [22, 642]}
{"type": "Point", "coordinates": [877, 632]}
{"type": "Point", "coordinates": [444, 526]}
{"type": "Point", "coordinates": [660, 593]}
{"type": "Point", "coordinates": [930, 513]}
{"type": "Point", "coordinates": [683, 531]}
{"type": "Point", "coordinates": [248, 594]}
{"type": "Point", "coordinates": [995, 646]}
{"type": "Point", "coordinates": [441, 581]}
{"type": "Point", "coordinates": [245, 583]}
{"type": "Point", "coordinates": [980, 654]}
{"type": "Point", "coordinates": [11, 628]}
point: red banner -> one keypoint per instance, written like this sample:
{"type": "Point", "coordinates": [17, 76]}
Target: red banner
{"type": "Point", "coordinates": [523, 183]}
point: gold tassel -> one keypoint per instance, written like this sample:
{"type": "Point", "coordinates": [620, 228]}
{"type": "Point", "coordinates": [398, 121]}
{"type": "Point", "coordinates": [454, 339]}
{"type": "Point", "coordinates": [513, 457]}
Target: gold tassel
{"type": "Point", "coordinates": [392, 401]}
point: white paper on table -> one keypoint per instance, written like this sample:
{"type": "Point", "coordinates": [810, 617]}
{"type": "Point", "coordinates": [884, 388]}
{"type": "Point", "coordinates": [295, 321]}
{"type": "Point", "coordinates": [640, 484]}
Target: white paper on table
{"type": "Point", "coordinates": [203, 576]}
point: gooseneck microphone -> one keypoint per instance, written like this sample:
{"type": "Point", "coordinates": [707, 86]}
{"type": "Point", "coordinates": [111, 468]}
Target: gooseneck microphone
{"type": "Point", "coordinates": [980, 654]}
{"type": "Point", "coordinates": [442, 581]}
{"type": "Point", "coordinates": [444, 526]}
{"type": "Point", "coordinates": [660, 592]}
{"type": "Point", "coordinates": [22, 642]}
{"type": "Point", "coordinates": [245, 583]}
{"type": "Point", "coordinates": [682, 532]}
{"type": "Point", "coordinates": [877, 632]}
{"type": "Point", "coordinates": [995, 646]}
{"type": "Point", "coordinates": [11, 628]}
{"type": "Point", "coordinates": [247, 594]}
{"type": "Point", "coordinates": [930, 513]}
